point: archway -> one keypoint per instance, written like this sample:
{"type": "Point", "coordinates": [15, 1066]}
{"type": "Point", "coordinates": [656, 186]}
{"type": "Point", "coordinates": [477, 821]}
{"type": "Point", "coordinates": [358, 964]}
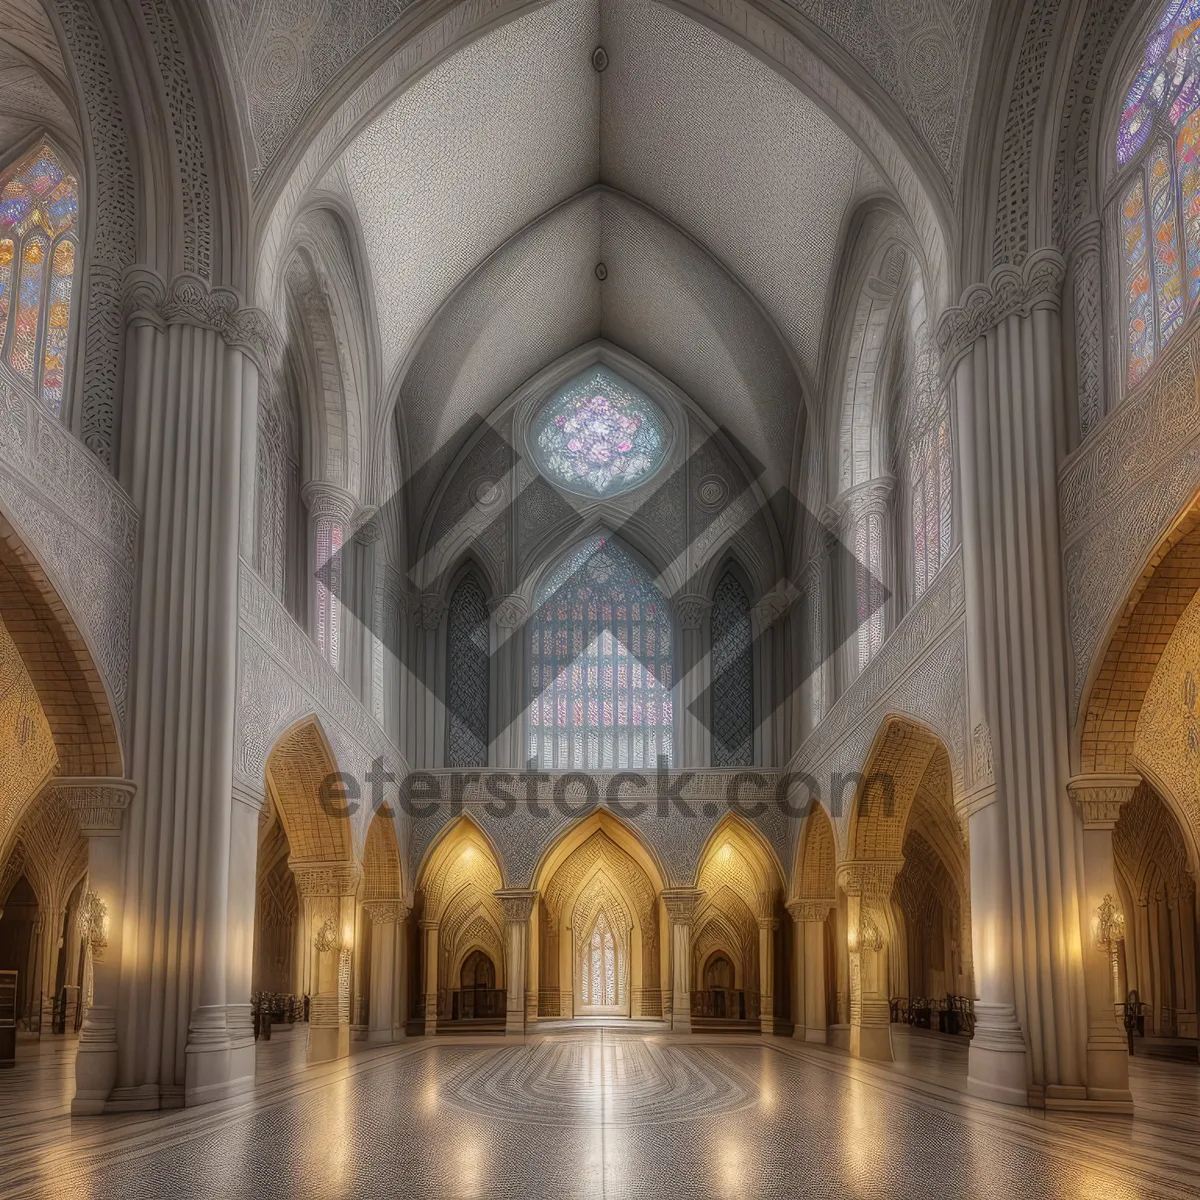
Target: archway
{"type": "Point", "coordinates": [737, 918]}
{"type": "Point", "coordinates": [821, 989]}
{"type": "Point", "coordinates": [597, 922]}
{"type": "Point", "coordinates": [906, 884]}
{"type": "Point", "coordinates": [459, 915]}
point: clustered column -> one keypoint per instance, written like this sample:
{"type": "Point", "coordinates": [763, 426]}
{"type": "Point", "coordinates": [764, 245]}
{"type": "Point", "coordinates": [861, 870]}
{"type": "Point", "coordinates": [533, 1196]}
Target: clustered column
{"type": "Point", "coordinates": [809, 953]}
{"type": "Point", "coordinates": [868, 887]}
{"type": "Point", "coordinates": [327, 891]}
{"type": "Point", "coordinates": [517, 904]}
{"type": "Point", "coordinates": [681, 909]}
{"type": "Point", "coordinates": [386, 1016]}
{"type": "Point", "coordinates": [429, 932]}
{"type": "Point", "coordinates": [766, 969]}
{"type": "Point", "coordinates": [694, 669]}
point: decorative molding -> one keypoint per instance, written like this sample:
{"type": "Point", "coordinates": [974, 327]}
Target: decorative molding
{"type": "Point", "coordinates": [516, 904]}
{"type": "Point", "coordinates": [869, 879]}
{"type": "Point", "coordinates": [98, 803]}
{"type": "Point", "coordinates": [1099, 798]}
{"type": "Point", "coordinates": [190, 300]}
{"type": "Point", "coordinates": [689, 611]}
{"type": "Point", "coordinates": [328, 502]}
{"type": "Point", "coordinates": [387, 912]}
{"type": "Point", "coordinates": [810, 911]}
{"type": "Point", "coordinates": [511, 612]}
{"type": "Point", "coordinates": [681, 904]}
{"type": "Point", "coordinates": [861, 500]}
{"type": "Point", "coordinates": [983, 769]}
{"type": "Point", "coordinates": [1009, 291]}
{"type": "Point", "coordinates": [323, 879]}
{"type": "Point", "coordinates": [83, 527]}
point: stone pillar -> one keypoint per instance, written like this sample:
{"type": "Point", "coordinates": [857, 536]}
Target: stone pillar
{"type": "Point", "coordinates": [1002, 350]}
{"type": "Point", "coordinates": [366, 630]}
{"type": "Point", "coordinates": [327, 891]}
{"type": "Point", "coordinates": [809, 950]}
{"type": "Point", "coordinates": [509, 681]}
{"type": "Point", "coordinates": [997, 1062]}
{"type": "Point", "coordinates": [868, 888]}
{"type": "Point", "coordinates": [681, 909]}
{"type": "Point", "coordinates": [768, 630]}
{"type": "Point", "coordinates": [1099, 799]}
{"type": "Point", "coordinates": [99, 806]}
{"type": "Point", "coordinates": [428, 711]}
{"type": "Point", "coordinates": [384, 1018]}
{"type": "Point", "coordinates": [361, 981]}
{"type": "Point", "coordinates": [430, 930]}
{"type": "Point", "coordinates": [330, 509]}
{"type": "Point", "coordinates": [517, 905]}
{"type": "Point", "coordinates": [48, 931]}
{"type": "Point", "coordinates": [693, 737]}
{"type": "Point", "coordinates": [766, 973]}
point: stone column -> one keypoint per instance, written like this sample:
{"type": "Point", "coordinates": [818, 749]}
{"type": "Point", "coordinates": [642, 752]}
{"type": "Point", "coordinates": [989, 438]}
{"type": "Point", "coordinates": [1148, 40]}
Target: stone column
{"type": "Point", "coordinates": [681, 909]}
{"type": "Point", "coordinates": [809, 950]}
{"type": "Point", "coordinates": [509, 681]}
{"type": "Point", "coordinates": [768, 637]}
{"type": "Point", "coordinates": [48, 932]}
{"type": "Point", "coordinates": [330, 509]}
{"type": "Point", "coordinates": [362, 674]}
{"type": "Point", "coordinates": [517, 905]}
{"type": "Point", "coordinates": [868, 888]}
{"type": "Point", "coordinates": [384, 1021]}
{"type": "Point", "coordinates": [430, 930]}
{"type": "Point", "coordinates": [766, 973]}
{"type": "Point", "coordinates": [99, 806]}
{"type": "Point", "coordinates": [1002, 350]}
{"type": "Point", "coordinates": [693, 736]}
{"type": "Point", "coordinates": [428, 712]}
{"type": "Point", "coordinates": [997, 1061]}
{"type": "Point", "coordinates": [327, 891]}
{"type": "Point", "coordinates": [1099, 799]}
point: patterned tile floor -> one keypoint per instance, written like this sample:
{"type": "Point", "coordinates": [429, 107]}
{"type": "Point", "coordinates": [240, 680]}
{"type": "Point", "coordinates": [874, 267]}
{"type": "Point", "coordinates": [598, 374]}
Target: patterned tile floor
{"type": "Point", "coordinates": [599, 1112]}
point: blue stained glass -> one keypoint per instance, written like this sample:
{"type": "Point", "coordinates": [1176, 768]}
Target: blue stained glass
{"type": "Point", "coordinates": [599, 435]}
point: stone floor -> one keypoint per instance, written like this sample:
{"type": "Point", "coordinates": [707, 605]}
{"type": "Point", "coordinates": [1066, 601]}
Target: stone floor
{"type": "Point", "coordinates": [601, 1111]}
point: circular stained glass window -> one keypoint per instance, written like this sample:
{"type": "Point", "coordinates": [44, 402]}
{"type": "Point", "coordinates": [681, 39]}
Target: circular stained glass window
{"type": "Point", "coordinates": [599, 435]}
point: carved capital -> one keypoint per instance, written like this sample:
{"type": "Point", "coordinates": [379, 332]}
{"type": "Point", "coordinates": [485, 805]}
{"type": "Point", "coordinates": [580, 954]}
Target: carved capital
{"type": "Point", "coordinates": [367, 528]}
{"type": "Point", "coordinates": [99, 803]}
{"type": "Point", "coordinates": [770, 608]}
{"type": "Point", "coordinates": [867, 936]}
{"type": "Point", "coordinates": [768, 923]}
{"type": "Point", "coordinates": [511, 612]}
{"type": "Point", "coordinates": [320, 879]}
{"type": "Point", "coordinates": [681, 904]}
{"type": "Point", "coordinates": [328, 501]}
{"type": "Point", "coordinates": [386, 912]}
{"type": "Point", "coordinates": [873, 496]}
{"type": "Point", "coordinates": [1009, 291]}
{"type": "Point", "coordinates": [1099, 797]}
{"type": "Point", "coordinates": [689, 611]}
{"type": "Point", "coordinates": [517, 904]}
{"type": "Point", "coordinates": [430, 611]}
{"type": "Point", "coordinates": [869, 879]}
{"type": "Point", "coordinates": [809, 911]}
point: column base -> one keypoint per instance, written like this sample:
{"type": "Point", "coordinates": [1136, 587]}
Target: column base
{"type": "Point", "coordinates": [380, 1037]}
{"type": "Point", "coordinates": [215, 1069]}
{"type": "Point", "coordinates": [1108, 1072]}
{"type": "Point", "coordinates": [767, 1026]}
{"type": "Point", "coordinates": [872, 1042]}
{"type": "Point", "coordinates": [326, 1043]}
{"type": "Point", "coordinates": [813, 1033]}
{"type": "Point", "coordinates": [838, 1036]}
{"type": "Point", "coordinates": [997, 1060]}
{"type": "Point", "coordinates": [358, 1033]}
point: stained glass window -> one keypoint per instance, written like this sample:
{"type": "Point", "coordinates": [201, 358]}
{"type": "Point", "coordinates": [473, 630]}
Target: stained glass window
{"type": "Point", "coordinates": [1167, 282]}
{"type": "Point", "coordinates": [599, 435]}
{"type": "Point", "coordinates": [601, 667]}
{"type": "Point", "coordinates": [467, 652]}
{"type": "Point", "coordinates": [868, 586]}
{"type": "Point", "coordinates": [38, 211]}
{"type": "Point", "coordinates": [732, 676]}
{"type": "Point", "coordinates": [930, 467]}
{"type": "Point", "coordinates": [599, 975]}
{"type": "Point", "coordinates": [1187, 150]}
{"type": "Point", "coordinates": [1137, 273]}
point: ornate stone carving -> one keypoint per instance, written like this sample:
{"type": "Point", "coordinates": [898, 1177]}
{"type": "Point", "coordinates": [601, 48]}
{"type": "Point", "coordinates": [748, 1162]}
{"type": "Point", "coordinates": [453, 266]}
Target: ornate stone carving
{"type": "Point", "coordinates": [809, 911]}
{"type": "Point", "coordinates": [681, 904]}
{"type": "Point", "coordinates": [510, 612]}
{"type": "Point", "coordinates": [1009, 291]}
{"type": "Point", "coordinates": [1099, 798]}
{"type": "Point", "coordinates": [99, 804]}
{"type": "Point", "coordinates": [367, 528]}
{"type": "Point", "coordinates": [516, 904]}
{"type": "Point", "coordinates": [868, 937]}
{"type": "Point", "coordinates": [328, 936]}
{"type": "Point", "coordinates": [314, 879]}
{"type": "Point", "coordinates": [189, 300]}
{"type": "Point", "coordinates": [770, 608]}
{"type": "Point", "coordinates": [93, 921]}
{"type": "Point", "coordinates": [689, 611]}
{"type": "Point", "coordinates": [982, 765]}
{"type": "Point", "coordinates": [862, 500]}
{"type": "Point", "coordinates": [870, 879]}
{"type": "Point", "coordinates": [432, 609]}
{"type": "Point", "coordinates": [327, 501]}
{"type": "Point", "coordinates": [387, 912]}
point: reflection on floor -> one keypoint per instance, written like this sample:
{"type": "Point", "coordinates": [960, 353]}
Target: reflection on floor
{"type": "Point", "coordinates": [600, 1112]}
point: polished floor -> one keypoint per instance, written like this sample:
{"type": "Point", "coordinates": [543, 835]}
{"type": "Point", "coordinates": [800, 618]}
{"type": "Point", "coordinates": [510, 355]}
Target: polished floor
{"type": "Point", "coordinates": [602, 1111]}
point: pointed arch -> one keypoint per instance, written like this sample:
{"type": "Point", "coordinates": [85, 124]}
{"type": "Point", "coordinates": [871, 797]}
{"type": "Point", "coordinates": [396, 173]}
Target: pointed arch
{"type": "Point", "coordinates": [816, 857]}
{"type": "Point", "coordinates": [383, 874]}
{"type": "Point", "coordinates": [738, 856]}
{"type": "Point", "coordinates": [301, 779]}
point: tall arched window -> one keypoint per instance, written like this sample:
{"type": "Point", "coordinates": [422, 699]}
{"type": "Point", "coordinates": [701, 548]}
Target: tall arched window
{"type": "Point", "coordinates": [600, 664]}
{"type": "Point", "coordinates": [1159, 203]}
{"type": "Point", "coordinates": [39, 205]}
{"type": "Point", "coordinates": [467, 654]}
{"type": "Point", "coordinates": [599, 966]}
{"type": "Point", "coordinates": [929, 466]}
{"type": "Point", "coordinates": [732, 676]}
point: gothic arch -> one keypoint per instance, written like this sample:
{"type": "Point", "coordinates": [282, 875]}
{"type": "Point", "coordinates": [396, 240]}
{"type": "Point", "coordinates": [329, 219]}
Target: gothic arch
{"type": "Point", "coordinates": [300, 769]}
{"type": "Point", "coordinates": [383, 874]}
{"type": "Point", "coordinates": [816, 857]}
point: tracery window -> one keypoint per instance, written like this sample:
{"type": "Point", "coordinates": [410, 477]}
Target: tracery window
{"type": "Point", "coordinates": [732, 676]}
{"type": "Point", "coordinates": [869, 592]}
{"type": "Point", "coordinates": [930, 467]}
{"type": "Point", "coordinates": [467, 654]}
{"type": "Point", "coordinates": [39, 207]}
{"type": "Point", "coordinates": [1159, 207]}
{"type": "Point", "coordinates": [601, 666]}
{"type": "Point", "coordinates": [599, 435]}
{"type": "Point", "coordinates": [599, 966]}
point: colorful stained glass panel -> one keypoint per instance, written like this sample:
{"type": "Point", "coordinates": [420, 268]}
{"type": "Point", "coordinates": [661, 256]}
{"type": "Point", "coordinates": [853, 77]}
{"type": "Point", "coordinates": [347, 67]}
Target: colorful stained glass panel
{"type": "Point", "coordinates": [54, 356]}
{"type": "Point", "coordinates": [23, 354]}
{"type": "Point", "coordinates": [1137, 283]}
{"type": "Point", "coordinates": [1167, 275]}
{"type": "Point", "coordinates": [599, 435]}
{"type": "Point", "coordinates": [1187, 156]}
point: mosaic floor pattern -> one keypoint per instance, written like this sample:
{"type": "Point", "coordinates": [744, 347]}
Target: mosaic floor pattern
{"type": "Point", "coordinates": [604, 1112]}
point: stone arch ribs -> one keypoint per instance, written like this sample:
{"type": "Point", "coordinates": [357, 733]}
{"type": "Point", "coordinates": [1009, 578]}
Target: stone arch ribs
{"type": "Point", "coordinates": [299, 773]}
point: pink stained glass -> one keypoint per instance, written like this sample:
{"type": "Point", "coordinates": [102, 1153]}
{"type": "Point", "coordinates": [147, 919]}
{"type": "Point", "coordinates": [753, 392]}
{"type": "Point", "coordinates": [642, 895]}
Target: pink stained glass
{"type": "Point", "coordinates": [1167, 282]}
{"type": "Point", "coordinates": [1168, 81]}
{"type": "Point", "coordinates": [58, 315]}
{"type": "Point", "coordinates": [1187, 155]}
{"type": "Point", "coordinates": [30, 290]}
{"type": "Point", "coordinates": [7, 251]}
{"type": "Point", "coordinates": [1137, 276]}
